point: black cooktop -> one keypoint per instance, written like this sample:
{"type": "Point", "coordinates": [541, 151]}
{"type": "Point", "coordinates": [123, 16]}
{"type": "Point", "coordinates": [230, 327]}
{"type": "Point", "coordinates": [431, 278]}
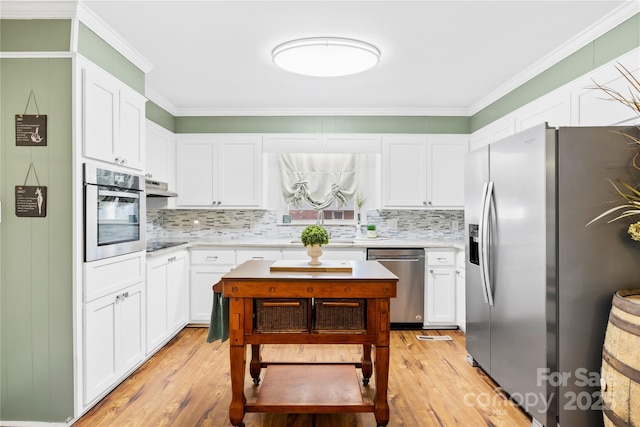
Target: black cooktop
{"type": "Point", "coordinates": [156, 246]}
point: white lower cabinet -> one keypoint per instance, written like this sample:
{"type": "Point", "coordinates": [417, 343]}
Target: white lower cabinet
{"type": "Point", "coordinates": [166, 296]}
{"type": "Point", "coordinates": [113, 336]}
{"type": "Point", "coordinates": [207, 268]}
{"type": "Point", "coordinates": [440, 295]}
{"type": "Point", "coordinates": [461, 308]}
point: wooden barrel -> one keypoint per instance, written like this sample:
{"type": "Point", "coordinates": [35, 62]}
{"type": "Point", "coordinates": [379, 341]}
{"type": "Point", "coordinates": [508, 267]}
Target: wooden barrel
{"type": "Point", "coordinates": [621, 362]}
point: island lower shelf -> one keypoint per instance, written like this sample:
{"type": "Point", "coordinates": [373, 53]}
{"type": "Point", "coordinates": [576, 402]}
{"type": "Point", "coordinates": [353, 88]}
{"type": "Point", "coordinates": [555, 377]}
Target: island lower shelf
{"type": "Point", "coordinates": [311, 388]}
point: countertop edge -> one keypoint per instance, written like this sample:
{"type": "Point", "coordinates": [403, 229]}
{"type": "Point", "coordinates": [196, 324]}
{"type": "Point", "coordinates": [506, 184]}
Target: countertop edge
{"type": "Point", "coordinates": [283, 245]}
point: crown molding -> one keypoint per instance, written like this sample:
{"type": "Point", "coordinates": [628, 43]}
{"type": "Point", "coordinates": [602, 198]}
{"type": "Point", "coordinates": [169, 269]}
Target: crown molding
{"type": "Point", "coordinates": [607, 23]}
{"type": "Point", "coordinates": [36, 55]}
{"type": "Point", "coordinates": [98, 26]}
{"type": "Point", "coordinates": [54, 9]}
{"type": "Point", "coordinates": [230, 112]}
{"type": "Point", "coordinates": [160, 101]}
{"type": "Point", "coordinates": [163, 103]}
{"type": "Point", "coordinates": [15, 9]}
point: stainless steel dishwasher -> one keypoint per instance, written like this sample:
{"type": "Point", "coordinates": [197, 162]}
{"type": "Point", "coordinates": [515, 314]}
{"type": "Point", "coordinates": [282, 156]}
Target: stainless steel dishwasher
{"type": "Point", "coordinates": [407, 309]}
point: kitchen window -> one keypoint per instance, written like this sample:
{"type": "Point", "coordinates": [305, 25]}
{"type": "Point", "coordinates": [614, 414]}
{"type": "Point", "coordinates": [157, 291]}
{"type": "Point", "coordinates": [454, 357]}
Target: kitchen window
{"type": "Point", "coordinates": [320, 181]}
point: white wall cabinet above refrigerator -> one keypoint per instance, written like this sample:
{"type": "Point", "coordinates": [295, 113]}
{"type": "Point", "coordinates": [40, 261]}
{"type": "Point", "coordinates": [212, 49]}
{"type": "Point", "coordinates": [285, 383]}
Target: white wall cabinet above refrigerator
{"type": "Point", "coordinates": [423, 171]}
{"type": "Point", "coordinates": [219, 171]}
{"type": "Point", "coordinates": [113, 120]}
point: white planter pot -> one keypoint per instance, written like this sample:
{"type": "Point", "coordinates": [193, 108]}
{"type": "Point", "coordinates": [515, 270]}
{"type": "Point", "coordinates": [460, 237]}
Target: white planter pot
{"type": "Point", "coordinates": [314, 251]}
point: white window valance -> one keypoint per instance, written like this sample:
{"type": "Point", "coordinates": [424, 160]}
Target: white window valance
{"type": "Point", "coordinates": [320, 179]}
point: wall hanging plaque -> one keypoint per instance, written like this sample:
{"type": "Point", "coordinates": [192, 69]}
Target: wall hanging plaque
{"type": "Point", "coordinates": [31, 200]}
{"type": "Point", "coordinates": [31, 130]}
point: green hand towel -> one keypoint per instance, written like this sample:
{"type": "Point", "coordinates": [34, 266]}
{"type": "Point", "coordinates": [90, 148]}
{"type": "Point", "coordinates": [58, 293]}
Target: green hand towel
{"type": "Point", "coordinates": [219, 324]}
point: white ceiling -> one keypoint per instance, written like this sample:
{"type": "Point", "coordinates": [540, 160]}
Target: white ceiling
{"type": "Point", "coordinates": [438, 57]}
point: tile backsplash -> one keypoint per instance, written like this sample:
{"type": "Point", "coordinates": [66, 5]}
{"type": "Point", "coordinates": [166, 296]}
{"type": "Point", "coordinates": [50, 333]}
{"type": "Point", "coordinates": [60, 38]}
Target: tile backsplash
{"type": "Point", "coordinates": [192, 225]}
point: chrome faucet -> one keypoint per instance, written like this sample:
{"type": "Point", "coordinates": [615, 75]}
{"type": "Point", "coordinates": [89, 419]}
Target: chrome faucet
{"type": "Point", "coordinates": [320, 219]}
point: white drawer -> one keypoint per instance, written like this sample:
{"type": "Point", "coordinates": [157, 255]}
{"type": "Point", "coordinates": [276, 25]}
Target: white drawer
{"type": "Point", "coordinates": [243, 255]}
{"type": "Point", "coordinates": [213, 257]}
{"type": "Point", "coordinates": [109, 275]}
{"type": "Point", "coordinates": [440, 258]}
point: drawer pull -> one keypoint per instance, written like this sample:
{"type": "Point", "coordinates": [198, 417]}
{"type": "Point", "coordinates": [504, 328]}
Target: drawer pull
{"type": "Point", "coordinates": [340, 304]}
{"type": "Point", "coordinates": [212, 258]}
{"type": "Point", "coordinates": [281, 304]}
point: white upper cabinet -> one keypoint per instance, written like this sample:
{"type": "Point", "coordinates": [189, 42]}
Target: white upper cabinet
{"type": "Point", "coordinates": [445, 170]}
{"type": "Point", "coordinates": [422, 171]}
{"type": "Point", "coordinates": [113, 120]}
{"type": "Point", "coordinates": [161, 154]}
{"type": "Point", "coordinates": [219, 171]}
{"type": "Point", "coordinates": [404, 171]}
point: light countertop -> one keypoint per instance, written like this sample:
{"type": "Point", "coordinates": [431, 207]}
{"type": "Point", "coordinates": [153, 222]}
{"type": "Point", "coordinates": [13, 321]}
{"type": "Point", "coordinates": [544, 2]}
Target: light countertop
{"type": "Point", "coordinates": [337, 243]}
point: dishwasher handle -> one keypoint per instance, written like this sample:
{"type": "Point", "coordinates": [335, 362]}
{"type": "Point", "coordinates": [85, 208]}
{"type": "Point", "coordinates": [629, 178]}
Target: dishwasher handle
{"type": "Point", "coordinates": [394, 259]}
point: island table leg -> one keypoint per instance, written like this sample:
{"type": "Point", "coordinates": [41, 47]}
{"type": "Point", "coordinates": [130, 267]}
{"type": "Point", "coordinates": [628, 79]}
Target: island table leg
{"type": "Point", "coordinates": [255, 364]}
{"type": "Point", "coordinates": [238, 399]}
{"type": "Point", "coordinates": [380, 404]}
{"type": "Point", "coordinates": [367, 366]}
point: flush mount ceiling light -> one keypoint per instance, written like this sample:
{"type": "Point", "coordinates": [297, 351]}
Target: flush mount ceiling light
{"type": "Point", "coordinates": [325, 56]}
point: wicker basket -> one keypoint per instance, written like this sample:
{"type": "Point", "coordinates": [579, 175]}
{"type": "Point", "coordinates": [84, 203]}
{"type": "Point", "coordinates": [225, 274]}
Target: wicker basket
{"type": "Point", "coordinates": [282, 315]}
{"type": "Point", "coordinates": [340, 314]}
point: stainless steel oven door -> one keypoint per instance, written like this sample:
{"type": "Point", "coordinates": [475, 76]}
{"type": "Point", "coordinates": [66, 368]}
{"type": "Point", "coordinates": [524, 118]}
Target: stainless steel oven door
{"type": "Point", "coordinates": [114, 220]}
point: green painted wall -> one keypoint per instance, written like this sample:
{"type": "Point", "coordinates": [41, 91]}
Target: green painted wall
{"type": "Point", "coordinates": [36, 346]}
{"type": "Point", "coordinates": [159, 116]}
{"type": "Point", "coordinates": [322, 124]}
{"type": "Point", "coordinates": [35, 35]}
{"type": "Point", "coordinates": [101, 53]}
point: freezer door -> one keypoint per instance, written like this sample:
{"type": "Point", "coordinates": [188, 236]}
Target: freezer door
{"type": "Point", "coordinates": [593, 262]}
{"type": "Point", "coordinates": [478, 332]}
{"type": "Point", "coordinates": [518, 166]}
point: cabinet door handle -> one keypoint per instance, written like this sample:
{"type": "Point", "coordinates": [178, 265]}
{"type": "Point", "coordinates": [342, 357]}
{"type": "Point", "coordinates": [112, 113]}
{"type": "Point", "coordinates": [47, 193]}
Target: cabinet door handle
{"type": "Point", "coordinates": [281, 304]}
{"type": "Point", "coordinates": [430, 271]}
{"type": "Point", "coordinates": [125, 295]}
{"type": "Point", "coordinates": [340, 304]}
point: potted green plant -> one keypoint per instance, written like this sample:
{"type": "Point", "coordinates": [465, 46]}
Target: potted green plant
{"type": "Point", "coordinates": [313, 237]}
{"type": "Point", "coordinates": [371, 231]}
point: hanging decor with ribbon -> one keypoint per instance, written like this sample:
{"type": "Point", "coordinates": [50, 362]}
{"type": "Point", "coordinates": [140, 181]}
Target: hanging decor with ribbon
{"type": "Point", "coordinates": [31, 130]}
{"type": "Point", "coordinates": [31, 200]}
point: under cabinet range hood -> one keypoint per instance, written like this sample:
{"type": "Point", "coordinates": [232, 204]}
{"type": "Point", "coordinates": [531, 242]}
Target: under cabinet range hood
{"type": "Point", "coordinates": [155, 188]}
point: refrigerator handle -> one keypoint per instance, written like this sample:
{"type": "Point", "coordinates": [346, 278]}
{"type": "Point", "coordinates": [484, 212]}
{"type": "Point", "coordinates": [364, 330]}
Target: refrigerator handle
{"type": "Point", "coordinates": [481, 239]}
{"type": "Point", "coordinates": [485, 242]}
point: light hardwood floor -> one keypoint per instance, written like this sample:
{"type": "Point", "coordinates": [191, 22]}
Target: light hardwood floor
{"type": "Point", "coordinates": [186, 384]}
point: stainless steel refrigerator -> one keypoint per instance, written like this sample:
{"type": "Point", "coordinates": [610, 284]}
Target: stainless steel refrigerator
{"type": "Point", "coordinates": [538, 282]}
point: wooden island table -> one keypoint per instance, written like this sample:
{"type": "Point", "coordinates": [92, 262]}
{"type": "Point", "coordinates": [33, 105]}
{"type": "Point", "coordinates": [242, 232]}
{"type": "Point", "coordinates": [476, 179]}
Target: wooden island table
{"type": "Point", "coordinates": [323, 305]}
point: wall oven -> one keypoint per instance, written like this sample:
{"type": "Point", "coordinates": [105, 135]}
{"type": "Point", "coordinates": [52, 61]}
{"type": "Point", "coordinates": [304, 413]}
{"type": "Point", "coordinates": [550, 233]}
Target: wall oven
{"type": "Point", "coordinates": [114, 212]}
